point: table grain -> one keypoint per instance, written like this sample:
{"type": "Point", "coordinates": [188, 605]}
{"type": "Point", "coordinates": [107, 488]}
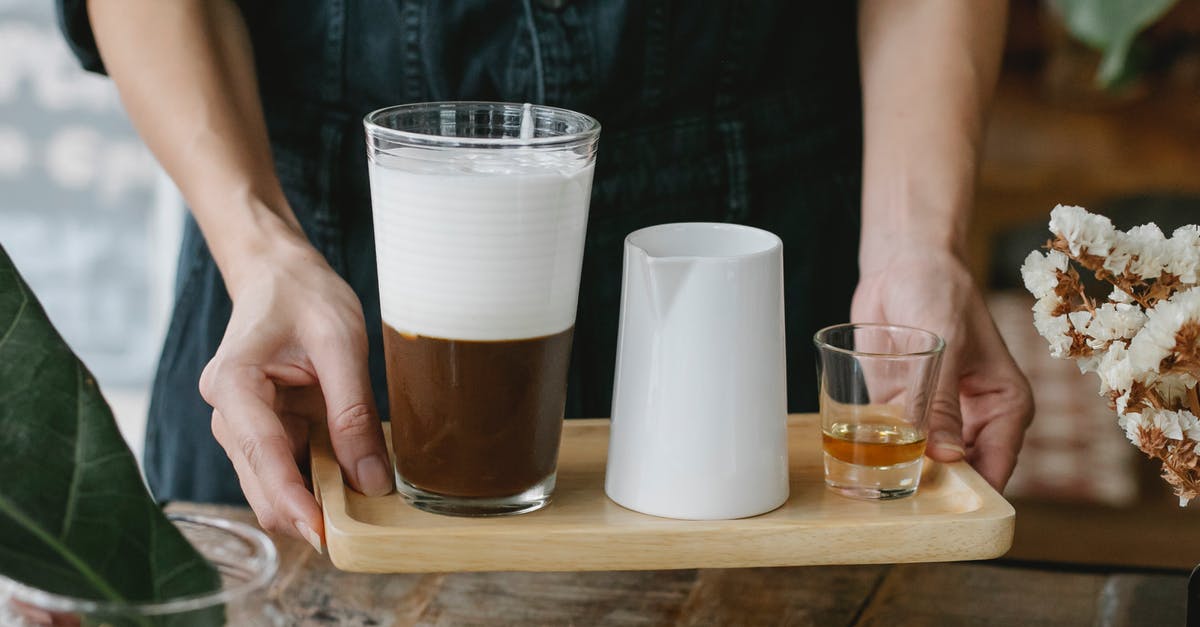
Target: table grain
{"type": "Point", "coordinates": [311, 592]}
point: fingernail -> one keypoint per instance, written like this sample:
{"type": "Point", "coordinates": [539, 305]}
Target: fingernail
{"type": "Point", "coordinates": [952, 447]}
{"type": "Point", "coordinates": [373, 476]}
{"type": "Point", "coordinates": [310, 536]}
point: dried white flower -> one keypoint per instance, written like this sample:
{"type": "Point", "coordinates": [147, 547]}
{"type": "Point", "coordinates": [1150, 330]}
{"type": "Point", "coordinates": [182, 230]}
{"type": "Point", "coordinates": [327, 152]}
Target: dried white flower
{"type": "Point", "coordinates": [1148, 247]}
{"type": "Point", "coordinates": [1122, 406]}
{"type": "Point", "coordinates": [1190, 424]}
{"type": "Point", "coordinates": [1088, 363]}
{"type": "Point", "coordinates": [1084, 232]}
{"type": "Point", "coordinates": [1080, 319]}
{"type": "Point", "coordinates": [1126, 344]}
{"type": "Point", "coordinates": [1183, 259]}
{"type": "Point", "coordinates": [1056, 329]}
{"type": "Point", "coordinates": [1156, 340]}
{"type": "Point", "coordinates": [1172, 387]}
{"type": "Point", "coordinates": [1114, 321]}
{"type": "Point", "coordinates": [1116, 371]}
{"type": "Point", "coordinates": [1170, 423]}
{"type": "Point", "coordinates": [1132, 424]}
{"type": "Point", "coordinates": [1123, 251]}
{"type": "Point", "coordinates": [1040, 272]}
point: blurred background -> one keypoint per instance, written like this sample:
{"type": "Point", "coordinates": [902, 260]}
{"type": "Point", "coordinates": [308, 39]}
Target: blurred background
{"type": "Point", "coordinates": [85, 213]}
{"type": "Point", "coordinates": [1129, 149]}
{"type": "Point", "coordinates": [94, 227]}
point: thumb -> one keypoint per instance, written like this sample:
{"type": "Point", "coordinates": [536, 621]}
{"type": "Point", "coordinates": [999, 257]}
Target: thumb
{"type": "Point", "coordinates": [354, 428]}
{"type": "Point", "coordinates": [945, 441]}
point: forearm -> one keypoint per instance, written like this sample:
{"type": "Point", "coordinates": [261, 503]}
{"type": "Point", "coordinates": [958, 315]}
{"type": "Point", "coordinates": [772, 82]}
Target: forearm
{"type": "Point", "coordinates": [928, 71]}
{"type": "Point", "coordinates": [185, 72]}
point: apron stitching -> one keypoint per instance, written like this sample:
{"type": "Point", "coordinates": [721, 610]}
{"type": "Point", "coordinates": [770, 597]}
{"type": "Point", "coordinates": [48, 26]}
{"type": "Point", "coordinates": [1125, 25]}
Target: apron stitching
{"type": "Point", "coordinates": [731, 126]}
{"type": "Point", "coordinates": [325, 223]}
{"type": "Point", "coordinates": [332, 90]}
{"type": "Point", "coordinates": [582, 63]}
{"type": "Point", "coordinates": [737, 174]}
{"type": "Point", "coordinates": [410, 28]}
{"type": "Point", "coordinates": [536, 44]}
{"type": "Point", "coordinates": [731, 67]}
{"type": "Point", "coordinates": [656, 53]}
{"type": "Point", "coordinates": [554, 54]}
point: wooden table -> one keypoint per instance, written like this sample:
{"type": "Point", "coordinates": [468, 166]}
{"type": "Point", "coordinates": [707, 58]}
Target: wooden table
{"type": "Point", "coordinates": [312, 592]}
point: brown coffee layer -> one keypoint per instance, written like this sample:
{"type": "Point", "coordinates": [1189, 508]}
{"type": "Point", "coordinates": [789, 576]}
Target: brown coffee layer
{"type": "Point", "coordinates": [473, 418]}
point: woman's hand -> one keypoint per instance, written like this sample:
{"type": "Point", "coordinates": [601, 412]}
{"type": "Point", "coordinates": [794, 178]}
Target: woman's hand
{"type": "Point", "coordinates": [294, 353]}
{"type": "Point", "coordinates": [295, 350]}
{"type": "Point", "coordinates": [983, 403]}
{"type": "Point", "coordinates": [928, 69]}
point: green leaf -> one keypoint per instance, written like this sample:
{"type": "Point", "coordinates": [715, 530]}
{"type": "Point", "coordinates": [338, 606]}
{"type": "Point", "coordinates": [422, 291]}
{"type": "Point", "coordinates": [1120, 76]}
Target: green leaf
{"type": "Point", "coordinates": [1110, 26]}
{"type": "Point", "coordinates": [75, 517]}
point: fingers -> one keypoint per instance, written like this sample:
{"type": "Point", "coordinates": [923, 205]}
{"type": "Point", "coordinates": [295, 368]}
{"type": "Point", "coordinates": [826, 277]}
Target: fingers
{"type": "Point", "coordinates": [998, 407]}
{"type": "Point", "coordinates": [354, 428]}
{"type": "Point", "coordinates": [261, 452]}
{"type": "Point", "coordinates": [298, 409]}
{"type": "Point", "coordinates": [996, 422]}
{"type": "Point", "coordinates": [997, 418]}
{"type": "Point", "coordinates": [945, 443]}
{"type": "Point", "coordinates": [994, 453]}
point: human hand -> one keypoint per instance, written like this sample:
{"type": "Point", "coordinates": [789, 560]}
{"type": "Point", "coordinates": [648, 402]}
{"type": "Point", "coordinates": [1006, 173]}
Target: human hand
{"type": "Point", "coordinates": [294, 353]}
{"type": "Point", "coordinates": [983, 402]}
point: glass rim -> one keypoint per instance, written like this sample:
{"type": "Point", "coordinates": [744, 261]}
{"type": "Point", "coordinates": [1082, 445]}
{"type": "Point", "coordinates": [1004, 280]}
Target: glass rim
{"type": "Point", "coordinates": [50, 601]}
{"type": "Point", "coordinates": [590, 126]}
{"type": "Point", "coordinates": [939, 344]}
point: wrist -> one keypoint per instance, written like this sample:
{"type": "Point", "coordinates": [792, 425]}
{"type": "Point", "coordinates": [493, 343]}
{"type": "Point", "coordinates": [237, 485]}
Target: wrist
{"type": "Point", "coordinates": [252, 239]}
{"type": "Point", "coordinates": [902, 226]}
{"type": "Point", "coordinates": [880, 251]}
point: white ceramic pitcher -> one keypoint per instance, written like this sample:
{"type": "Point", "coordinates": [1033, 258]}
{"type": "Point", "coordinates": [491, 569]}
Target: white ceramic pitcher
{"type": "Point", "coordinates": [699, 418]}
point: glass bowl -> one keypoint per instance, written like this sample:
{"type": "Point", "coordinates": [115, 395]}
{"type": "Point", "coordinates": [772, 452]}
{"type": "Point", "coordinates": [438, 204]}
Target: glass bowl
{"type": "Point", "coordinates": [244, 555]}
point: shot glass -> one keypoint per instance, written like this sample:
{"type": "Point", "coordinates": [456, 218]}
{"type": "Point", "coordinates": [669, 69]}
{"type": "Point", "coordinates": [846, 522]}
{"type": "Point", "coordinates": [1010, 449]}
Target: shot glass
{"type": "Point", "coordinates": [876, 385]}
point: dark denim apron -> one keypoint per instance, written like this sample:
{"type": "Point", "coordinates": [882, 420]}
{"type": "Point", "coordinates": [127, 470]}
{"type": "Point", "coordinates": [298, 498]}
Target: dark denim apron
{"type": "Point", "coordinates": [739, 111]}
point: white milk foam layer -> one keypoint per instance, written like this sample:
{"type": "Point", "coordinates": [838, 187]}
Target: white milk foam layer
{"type": "Point", "coordinates": [480, 245]}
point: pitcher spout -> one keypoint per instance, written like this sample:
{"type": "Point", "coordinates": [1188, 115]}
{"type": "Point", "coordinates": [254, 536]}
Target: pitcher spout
{"type": "Point", "coordinates": [665, 279]}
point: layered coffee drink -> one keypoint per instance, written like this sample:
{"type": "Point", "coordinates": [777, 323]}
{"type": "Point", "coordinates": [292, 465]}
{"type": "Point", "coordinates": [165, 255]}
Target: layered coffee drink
{"type": "Point", "coordinates": [479, 245]}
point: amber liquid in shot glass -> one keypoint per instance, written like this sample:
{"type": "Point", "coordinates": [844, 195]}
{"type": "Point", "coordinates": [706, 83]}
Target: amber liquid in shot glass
{"type": "Point", "coordinates": [873, 456]}
{"type": "Point", "coordinates": [873, 442]}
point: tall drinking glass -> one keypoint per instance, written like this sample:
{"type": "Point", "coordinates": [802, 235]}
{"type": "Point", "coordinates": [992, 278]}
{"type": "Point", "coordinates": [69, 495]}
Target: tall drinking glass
{"type": "Point", "coordinates": [480, 212]}
{"type": "Point", "coordinates": [876, 384]}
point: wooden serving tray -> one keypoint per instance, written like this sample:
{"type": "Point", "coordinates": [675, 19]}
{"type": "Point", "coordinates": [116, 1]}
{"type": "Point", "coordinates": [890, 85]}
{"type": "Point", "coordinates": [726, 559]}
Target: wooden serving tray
{"type": "Point", "coordinates": [955, 515]}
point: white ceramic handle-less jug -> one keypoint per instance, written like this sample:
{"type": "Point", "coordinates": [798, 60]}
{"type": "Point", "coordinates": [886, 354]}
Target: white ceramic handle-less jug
{"type": "Point", "coordinates": [699, 418]}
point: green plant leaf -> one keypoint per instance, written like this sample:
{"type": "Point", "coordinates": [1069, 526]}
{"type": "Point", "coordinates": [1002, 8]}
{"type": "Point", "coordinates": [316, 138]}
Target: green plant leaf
{"type": "Point", "coordinates": [1110, 26]}
{"type": "Point", "coordinates": [75, 517]}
